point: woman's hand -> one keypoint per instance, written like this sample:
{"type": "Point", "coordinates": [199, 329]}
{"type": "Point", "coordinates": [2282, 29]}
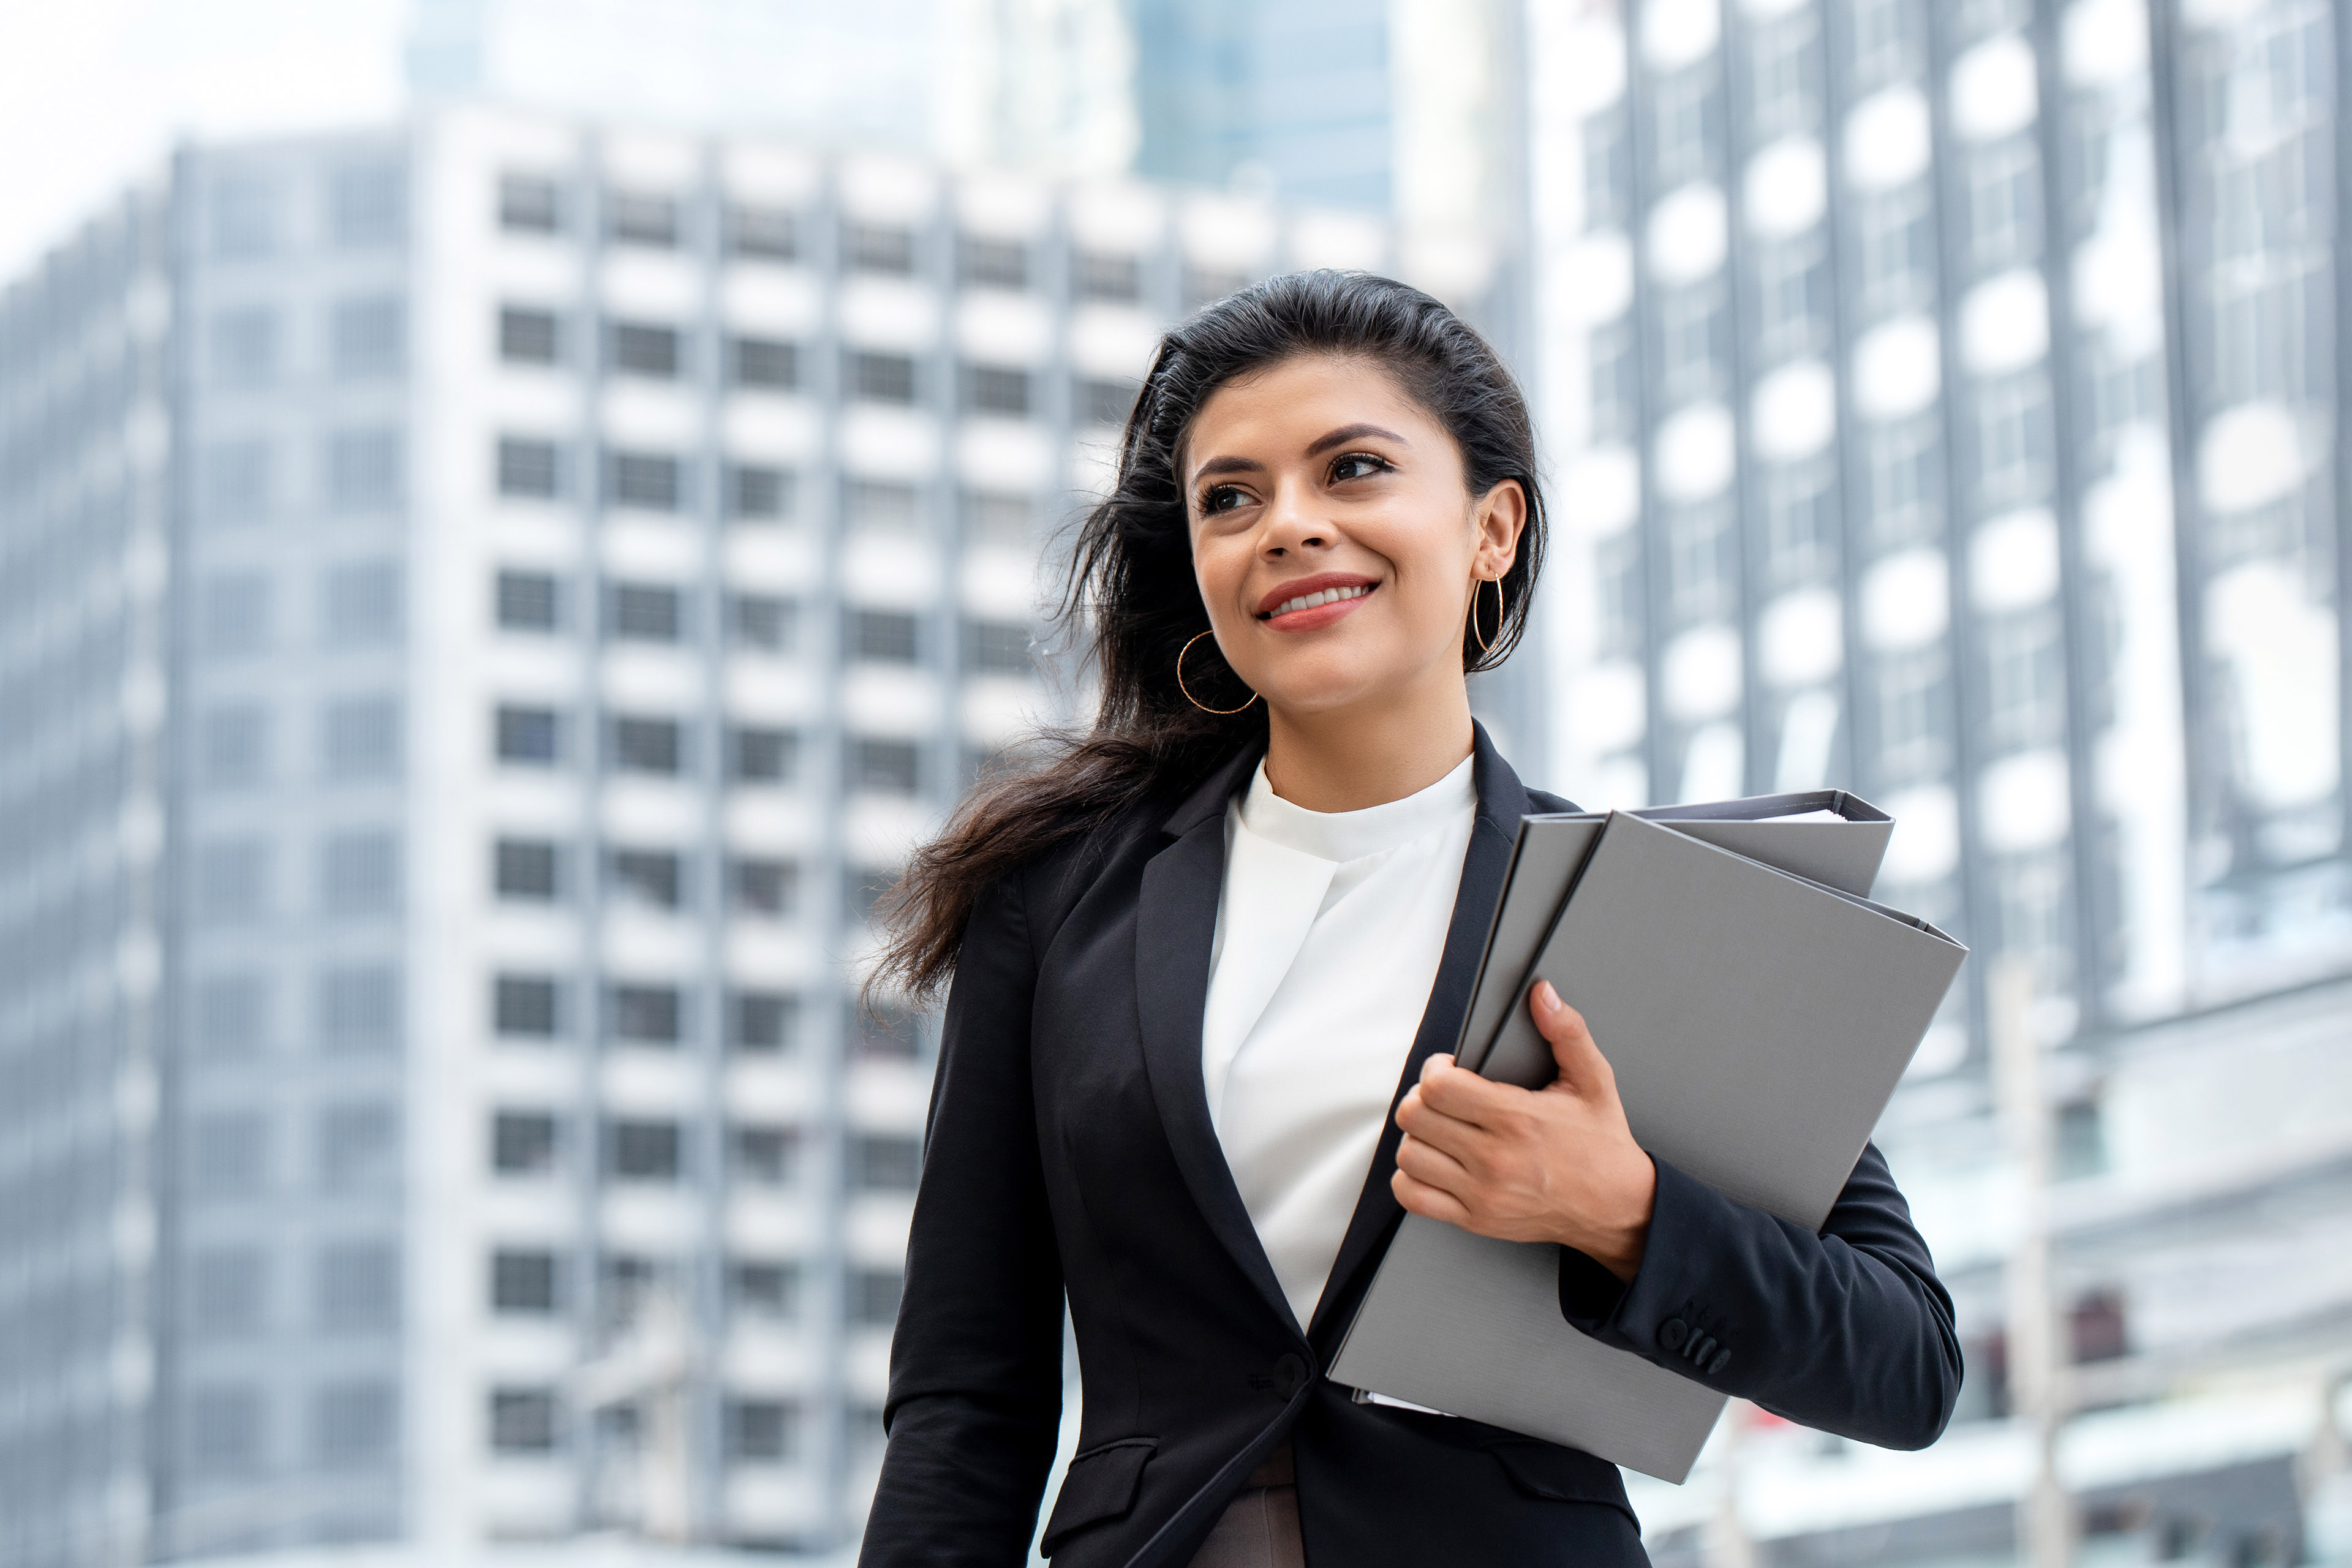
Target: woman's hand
{"type": "Point", "coordinates": [1550, 1165]}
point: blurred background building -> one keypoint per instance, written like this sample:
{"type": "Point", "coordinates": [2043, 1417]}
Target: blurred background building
{"type": "Point", "coordinates": [486, 597]}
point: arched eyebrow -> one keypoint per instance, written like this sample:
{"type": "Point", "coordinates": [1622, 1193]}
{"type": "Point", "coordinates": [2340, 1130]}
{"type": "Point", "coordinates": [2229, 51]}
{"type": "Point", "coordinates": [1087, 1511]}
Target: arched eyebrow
{"type": "Point", "coordinates": [1340, 437]}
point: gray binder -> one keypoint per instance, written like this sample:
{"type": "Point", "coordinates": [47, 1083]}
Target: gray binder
{"type": "Point", "coordinates": [1757, 1022]}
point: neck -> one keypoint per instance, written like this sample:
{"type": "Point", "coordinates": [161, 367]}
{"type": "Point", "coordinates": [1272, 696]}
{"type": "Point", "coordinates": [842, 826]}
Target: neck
{"type": "Point", "coordinates": [1368, 754]}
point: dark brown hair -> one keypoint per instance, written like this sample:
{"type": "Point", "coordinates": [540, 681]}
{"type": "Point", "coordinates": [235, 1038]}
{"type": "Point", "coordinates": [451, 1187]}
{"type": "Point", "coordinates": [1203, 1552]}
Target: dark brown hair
{"type": "Point", "coordinates": [1131, 601]}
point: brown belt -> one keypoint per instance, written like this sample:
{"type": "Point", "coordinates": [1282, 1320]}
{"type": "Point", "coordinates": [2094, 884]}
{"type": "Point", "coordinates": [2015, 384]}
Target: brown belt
{"type": "Point", "coordinates": [1279, 1469]}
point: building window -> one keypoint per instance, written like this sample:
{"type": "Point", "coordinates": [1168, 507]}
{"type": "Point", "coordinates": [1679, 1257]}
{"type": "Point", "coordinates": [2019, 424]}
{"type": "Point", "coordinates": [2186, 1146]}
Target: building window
{"type": "Point", "coordinates": [527, 735]}
{"type": "Point", "coordinates": [1703, 562]}
{"type": "Point", "coordinates": [884, 767]}
{"type": "Point", "coordinates": [764, 1155]}
{"type": "Point", "coordinates": [529, 468]}
{"type": "Point", "coordinates": [1615, 380]}
{"type": "Point", "coordinates": [361, 601]}
{"type": "Point", "coordinates": [886, 249]}
{"type": "Point", "coordinates": [245, 347]}
{"type": "Point", "coordinates": [757, 494]}
{"type": "Point", "coordinates": [1798, 521]}
{"type": "Point", "coordinates": [646, 1014]}
{"type": "Point", "coordinates": [365, 205]}
{"type": "Point", "coordinates": [358, 874]}
{"type": "Point", "coordinates": [764, 622]}
{"type": "Point", "coordinates": [2014, 442]}
{"type": "Point", "coordinates": [883, 637]}
{"type": "Point", "coordinates": [524, 1006]}
{"type": "Point", "coordinates": [1101, 401]}
{"type": "Point", "coordinates": [760, 1431]}
{"type": "Point", "coordinates": [881, 1033]}
{"type": "Point", "coordinates": [1688, 113]}
{"type": "Point", "coordinates": [770, 233]}
{"type": "Point", "coordinates": [881, 506]}
{"type": "Point", "coordinates": [769, 1290]}
{"type": "Point", "coordinates": [225, 1292]}
{"type": "Point", "coordinates": [644, 612]}
{"type": "Point", "coordinates": [522, 1420]}
{"type": "Point", "coordinates": [234, 751]}
{"type": "Point", "coordinates": [878, 377]}
{"type": "Point", "coordinates": [235, 618]}
{"type": "Point", "coordinates": [763, 755]}
{"type": "Point", "coordinates": [1103, 274]}
{"type": "Point", "coordinates": [1202, 284]}
{"type": "Point", "coordinates": [229, 1154]}
{"type": "Point", "coordinates": [223, 1436]}
{"type": "Point", "coordinates": [2004, 194]}
{"type": "Point", "coordinates": [1904, 482]}
{"type": "Point", "coordinates": [765, 1021]}
{"type": "Point", "coordinates": [522, 1282]}
{"type": "Point", "coordinates": [358, 1147]}
{"type": "Point", "coordinates": [635, 218]}
{"type": "Point", "coordinates": [641, 1150]}
{"type": "Point", "coordinates": [1792, 304]}
{"type": "Point", "coordinates": [1886, 43]}
{"type": "Point", "coordinates": [1693, 345]}
{"type": "Point", "coordinates": [1896, 247]}
{"type": "Point", "coordinates": [232, 878]}
{"type": "Point", "coordinates": [361, 738]}
{"type": "Point", "coordinates": [1608, 170]}
{"type": "Point", "coordinates": [528, 602]}
{"type": "Point", "coordinates": [359, 1008]}
{"type": "Point", "coordinates": [529, 204]}
{"type": "Point", "coordinates": [357, 1288]}
{"type": "Point", "coordinates": [363, 469]}
{"type": "Point", "coordinates": [993, 263]}
{"type": "Point", "coordinates": [763, 362]}
{"type": "Point", "coordinates": [366, 336]}
{"type": "Point", "coordinates": [652, 878]}
{"type": "Point", "coordinates": [353, 1423]}
{"type": "Point", "coordinates": [765, 887]}
{"type": "Point", "coordinates": [994, 518]}
{"type": "Point", "coordinates": [885, 1165]}
{"type": "Point", "coordinates": [636, 347]}
{"type": "Point", "coordinates": [232, 1015]}
{"type": "Point", "coordinates": [1912, 741]}
{"type": "Point", "coordinates": [522, 1143]}
{"type": "Point", "coordinates": [2025, 692]}
{"type": "Point", "coordinates": [646, 745]}
{"type": "Point", "coordinates": [996, 648]}
{"type": "Point", "coordinates": [655, 481]}
{"type": "Point", "coordinates": [2030, 896]}
{"type": "Point", "coordinates": [236, 481]}
{"type": "Point", "coordinates": [996, 389]}
{"type": "Point", "coordinates": [874, 1297]}
{"type": "Point", "coordinates": [1783, 96]}
{"type": "Point", "coordinates": [528, 336]}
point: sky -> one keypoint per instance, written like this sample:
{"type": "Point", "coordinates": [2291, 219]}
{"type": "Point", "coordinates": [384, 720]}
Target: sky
{"type": "Point", "coordinates": [94, 92]}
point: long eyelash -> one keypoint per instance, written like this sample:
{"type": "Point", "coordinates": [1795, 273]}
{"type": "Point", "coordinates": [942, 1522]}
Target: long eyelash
{"type": "Point", "coordinates": [1372, 457]}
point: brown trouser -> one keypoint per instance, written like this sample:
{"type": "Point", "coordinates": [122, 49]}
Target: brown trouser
{"type": "Point", "coordinates": [1259, 1529]}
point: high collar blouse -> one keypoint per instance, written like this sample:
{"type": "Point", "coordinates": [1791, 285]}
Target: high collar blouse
{"type": "Point", "coordinates": [1329, 929]}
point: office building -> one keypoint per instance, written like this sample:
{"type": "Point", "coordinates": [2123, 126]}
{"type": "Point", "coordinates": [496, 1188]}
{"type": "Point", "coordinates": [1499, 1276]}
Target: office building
{"type": "Point", "coordinates": [1945, 399]}
{"type": "Point", "coordinates": [489, 602]}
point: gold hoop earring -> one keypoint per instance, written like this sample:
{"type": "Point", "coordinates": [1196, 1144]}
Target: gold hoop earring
{"type": "Point", "coordinates": [1187, 690]}
{"type": "Point", "coordinates": [1479, 587]}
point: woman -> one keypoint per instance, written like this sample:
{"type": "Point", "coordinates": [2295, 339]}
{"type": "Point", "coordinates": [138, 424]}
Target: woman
{"type": "Point", "coordinates": [1203, 961]}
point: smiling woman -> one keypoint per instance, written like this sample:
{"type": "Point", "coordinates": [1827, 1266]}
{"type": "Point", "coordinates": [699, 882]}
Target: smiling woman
{"type": "Point", "coordinates": [1207, 960]}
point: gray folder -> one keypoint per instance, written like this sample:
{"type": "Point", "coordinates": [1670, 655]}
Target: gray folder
{"type": "Point", "coordinates": [1757, 1022]}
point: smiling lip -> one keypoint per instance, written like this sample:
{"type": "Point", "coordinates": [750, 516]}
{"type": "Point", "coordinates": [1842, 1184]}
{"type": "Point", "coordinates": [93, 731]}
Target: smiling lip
{"type": "Point", "coordinates": [1323, 612]}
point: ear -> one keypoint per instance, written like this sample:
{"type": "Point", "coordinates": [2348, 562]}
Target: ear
{"type": "Point", "coordinates": [1500, 516]}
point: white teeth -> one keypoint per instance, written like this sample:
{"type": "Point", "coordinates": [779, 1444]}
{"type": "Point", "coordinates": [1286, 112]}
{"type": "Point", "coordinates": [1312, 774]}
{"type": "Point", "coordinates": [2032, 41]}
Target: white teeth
{"type": "Point", "coordinates": [1315, 601]}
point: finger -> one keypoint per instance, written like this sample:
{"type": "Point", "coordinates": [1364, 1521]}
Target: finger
{"type": "Point", "coordinates": [1434, 1202]}
{"type": "Point", "coordinates": [1418, 1119]}
{"type": "Point", "coordinates": [1465, 1096]}
{"type": "Point", "coordinates": [1425, 1161]}
{"type": "Point", "coordinates": [1437, 1063]}
{"type": "Point", "coordinates": [1572, 1047]}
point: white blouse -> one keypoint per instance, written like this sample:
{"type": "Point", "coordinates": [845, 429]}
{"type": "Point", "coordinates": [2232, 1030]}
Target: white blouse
{"type": "Point", "coordinates": [1329, 929]}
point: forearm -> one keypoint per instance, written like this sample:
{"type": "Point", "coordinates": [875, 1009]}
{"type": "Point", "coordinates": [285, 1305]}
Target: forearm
{"type": "Point", "coordinates": [1847, 1331]}
{"type": "Point", "coordinates": [961, 1481]}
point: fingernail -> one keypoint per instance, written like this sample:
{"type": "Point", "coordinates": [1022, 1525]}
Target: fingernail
{"type": "Point", "coordinates": [1546, 997]}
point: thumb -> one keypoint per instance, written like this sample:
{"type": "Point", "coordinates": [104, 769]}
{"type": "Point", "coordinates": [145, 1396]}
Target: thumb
{"type": "Point", "coordinates": [1582, 1068]}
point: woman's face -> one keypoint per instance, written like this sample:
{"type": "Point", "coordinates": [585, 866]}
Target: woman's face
{"type": "Point", "coordinates": [1334, 536]}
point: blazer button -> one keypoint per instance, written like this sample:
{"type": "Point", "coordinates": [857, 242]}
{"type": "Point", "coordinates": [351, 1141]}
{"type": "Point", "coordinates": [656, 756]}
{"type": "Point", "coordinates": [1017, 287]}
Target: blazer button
{"type": "Point", "coordinates": [1702, 1349]}
{"type": "Point", "coordinates": [1722, 1359]}
{"type": "Point", "coordinates": [1673, 1332]}
{"type": "Point", "coordinates": [1289, 1377]}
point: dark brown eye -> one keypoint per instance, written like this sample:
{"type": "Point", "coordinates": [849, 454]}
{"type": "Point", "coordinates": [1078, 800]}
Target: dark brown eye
{"type": "Point", "coordinates": [1221, 497]}
{"type": "Point", "coordinates": [1357, 466]}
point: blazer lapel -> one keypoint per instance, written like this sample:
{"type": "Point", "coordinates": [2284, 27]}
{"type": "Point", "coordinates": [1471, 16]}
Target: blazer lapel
{"type": "Point", "coordinates": [1502, 800]}
{"type": "Point", "coordinates": [1175, 921]}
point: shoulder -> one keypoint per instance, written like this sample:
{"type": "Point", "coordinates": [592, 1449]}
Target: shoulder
{"type": "Point", "coordinates": [1542, 801]}
{"type": "Point", "coordinates": [1047, 887]}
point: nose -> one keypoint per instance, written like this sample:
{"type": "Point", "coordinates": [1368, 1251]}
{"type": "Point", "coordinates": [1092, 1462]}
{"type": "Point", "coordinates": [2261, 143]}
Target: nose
{"type": "Point", "coordinates": [1288, 526]}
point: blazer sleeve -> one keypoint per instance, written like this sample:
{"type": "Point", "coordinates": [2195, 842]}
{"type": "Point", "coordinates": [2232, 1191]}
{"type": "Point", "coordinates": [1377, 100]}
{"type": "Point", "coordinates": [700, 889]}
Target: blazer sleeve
{"type": "Point", "coordinates": [975, 1397]}
{"type": "Point", "coordinates": [1847, 1331]}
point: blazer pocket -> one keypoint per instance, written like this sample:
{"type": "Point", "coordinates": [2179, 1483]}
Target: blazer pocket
{"type": "Point", "coordinates": [1556, 1473]}
{"type": "Point", "coordinates": [1101, 1484]}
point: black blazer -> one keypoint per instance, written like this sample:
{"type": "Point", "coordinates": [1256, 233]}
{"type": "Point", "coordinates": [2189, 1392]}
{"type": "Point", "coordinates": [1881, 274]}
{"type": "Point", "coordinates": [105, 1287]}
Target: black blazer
{"type": "Point", "coordinates": [1070, 1150]}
